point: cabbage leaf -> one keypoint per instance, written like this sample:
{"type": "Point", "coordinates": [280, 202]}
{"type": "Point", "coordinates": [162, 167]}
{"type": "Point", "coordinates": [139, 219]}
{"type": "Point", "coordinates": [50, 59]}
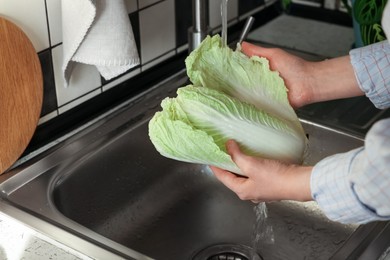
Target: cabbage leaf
{"type": "Point", "coordinates": [248, 79]}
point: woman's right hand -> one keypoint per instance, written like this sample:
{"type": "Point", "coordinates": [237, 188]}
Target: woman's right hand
{"type": "Point", "coordinates": [309, 82]}
{"type": "Point", "coordinates": [294, 71]}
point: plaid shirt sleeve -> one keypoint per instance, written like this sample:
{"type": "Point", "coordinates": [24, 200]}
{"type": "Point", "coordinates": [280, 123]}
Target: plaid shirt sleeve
{"type": "Point", "coordinates": [353, 187]}
{"type": "Point", "coordinates": [372, 70]}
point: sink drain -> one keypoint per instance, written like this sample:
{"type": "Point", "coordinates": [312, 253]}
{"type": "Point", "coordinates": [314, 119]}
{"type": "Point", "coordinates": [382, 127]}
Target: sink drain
{"type": "Point", "coordinates": [227, 252]}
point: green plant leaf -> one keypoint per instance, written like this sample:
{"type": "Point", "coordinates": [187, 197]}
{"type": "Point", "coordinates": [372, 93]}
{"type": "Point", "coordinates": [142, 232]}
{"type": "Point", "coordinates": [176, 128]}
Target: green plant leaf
{"type": "Point", "coordinates": [368, 12]}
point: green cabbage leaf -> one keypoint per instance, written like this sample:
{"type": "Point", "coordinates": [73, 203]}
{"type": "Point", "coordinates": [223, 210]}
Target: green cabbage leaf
{"type": "Point", "coordinates": [232, 97]}
{"type": "Point", "coordinates": [248, 79]}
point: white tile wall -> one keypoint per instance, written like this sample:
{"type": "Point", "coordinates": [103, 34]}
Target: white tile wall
{"type": "Point", "coordinates": [55, 22]}
{"type": "Point", "coordinates": [157, 30]}
{"type": "Point", "coordinates": [30, 16]}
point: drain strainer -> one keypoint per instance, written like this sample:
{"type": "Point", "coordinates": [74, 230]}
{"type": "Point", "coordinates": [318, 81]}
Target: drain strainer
{"type": "Point", "coordinates": [227, 252]}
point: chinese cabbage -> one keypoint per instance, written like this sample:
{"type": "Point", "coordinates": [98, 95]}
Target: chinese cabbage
{"type": "Point", "coordinates": [232, 97]}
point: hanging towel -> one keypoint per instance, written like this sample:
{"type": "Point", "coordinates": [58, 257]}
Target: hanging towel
{"type": "Point", "coordinates": [99, 33]}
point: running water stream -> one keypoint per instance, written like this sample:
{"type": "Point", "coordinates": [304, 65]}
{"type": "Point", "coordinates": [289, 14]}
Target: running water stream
{"type": "Point", "coordinates": [262, 231]}
{"type": "Point", "coordinates": [224, 4]}
{"type": "Point", "coordinates": [263, 234]}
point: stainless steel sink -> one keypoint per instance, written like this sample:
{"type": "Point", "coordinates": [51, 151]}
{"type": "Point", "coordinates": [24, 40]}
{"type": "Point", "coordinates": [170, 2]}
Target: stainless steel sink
{"type": "Point", "coordinates": [107, 193]}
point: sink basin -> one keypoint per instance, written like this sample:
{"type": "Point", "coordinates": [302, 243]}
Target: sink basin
{"type": "Point", "coordinates": [166, 209]}
{"type": "Point", "coordinates": [106, 192]}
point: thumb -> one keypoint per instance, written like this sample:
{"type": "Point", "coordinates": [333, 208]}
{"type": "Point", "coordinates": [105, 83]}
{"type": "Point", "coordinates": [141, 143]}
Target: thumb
{"type": "Point", "coordinates": [237, 155]}
{"type": "Point", "coordinates": [254, 50]}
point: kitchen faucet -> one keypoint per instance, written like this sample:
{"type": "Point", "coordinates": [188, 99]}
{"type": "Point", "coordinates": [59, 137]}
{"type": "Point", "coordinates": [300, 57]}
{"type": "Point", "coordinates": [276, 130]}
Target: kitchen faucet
{"type": "Point", "coordinates": [199, 28]}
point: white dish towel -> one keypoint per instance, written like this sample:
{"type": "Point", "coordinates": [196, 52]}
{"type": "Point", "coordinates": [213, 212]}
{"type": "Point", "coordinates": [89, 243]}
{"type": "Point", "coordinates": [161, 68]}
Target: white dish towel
{"type": "Point", "coordinates": [99, 33]}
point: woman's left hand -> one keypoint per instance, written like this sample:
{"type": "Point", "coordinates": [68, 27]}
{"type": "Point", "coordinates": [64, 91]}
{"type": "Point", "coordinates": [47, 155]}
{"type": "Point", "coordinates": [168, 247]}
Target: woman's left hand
{"type": "Point", "coordinates": [265, 180]}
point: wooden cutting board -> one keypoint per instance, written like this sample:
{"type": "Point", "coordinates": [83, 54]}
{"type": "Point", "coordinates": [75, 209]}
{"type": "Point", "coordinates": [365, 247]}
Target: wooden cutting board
{"type": "Point", "coordinates": [21, 92]}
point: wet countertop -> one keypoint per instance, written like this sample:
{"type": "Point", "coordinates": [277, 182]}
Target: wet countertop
{"type": "Point", "coordinates": [306, 35]}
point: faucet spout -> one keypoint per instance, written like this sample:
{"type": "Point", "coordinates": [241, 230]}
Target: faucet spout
{"type": "Point", "coordinates": [199, 28]}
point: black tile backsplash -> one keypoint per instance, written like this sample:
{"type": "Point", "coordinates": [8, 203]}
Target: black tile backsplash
{"type": "Point", "coordinates": [49, 91]}
{"type": "Point", "coordinates": [248, 5]}
{"type": "Point", "coordinates": [136, 29]}
{"type": "Point", "coordinates": [183, 12]}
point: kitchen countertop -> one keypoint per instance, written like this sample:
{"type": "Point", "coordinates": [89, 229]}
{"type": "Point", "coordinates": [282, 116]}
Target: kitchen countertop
{"type": "Point", "coordinates": [18, 242]}
{"type": "Point", "coordinates": [305, 35]}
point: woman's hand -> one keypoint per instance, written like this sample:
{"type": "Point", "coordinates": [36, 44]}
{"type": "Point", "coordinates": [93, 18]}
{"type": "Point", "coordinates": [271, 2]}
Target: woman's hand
{"type": "Point", "coordinates": [267, 180]}
{"type": "Point", "coordinates": [294, 70]}
{"type": "Point", "coordinates": [307, 81]}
